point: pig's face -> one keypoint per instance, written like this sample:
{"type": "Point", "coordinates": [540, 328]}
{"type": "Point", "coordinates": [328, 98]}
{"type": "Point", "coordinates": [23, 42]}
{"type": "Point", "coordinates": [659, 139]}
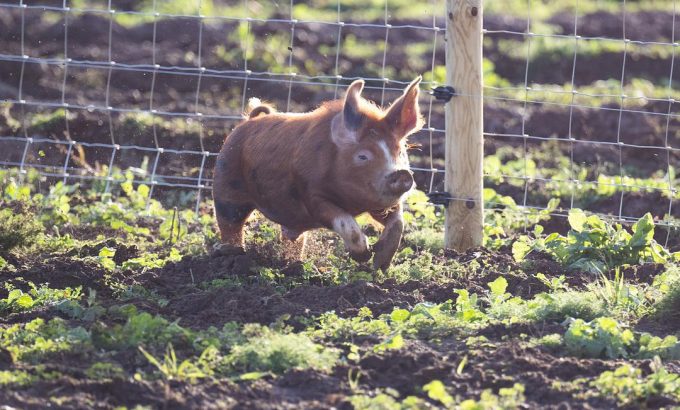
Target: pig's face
{"type": "Point", "coordinates": [372, 164]}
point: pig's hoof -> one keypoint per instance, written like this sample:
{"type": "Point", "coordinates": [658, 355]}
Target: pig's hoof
{"type": "Point", "coordinates": [361, 256]}
{"type": "Point", "coordinates": [381, 263]}
{"type": "Point", "coordinates": [225, 249]}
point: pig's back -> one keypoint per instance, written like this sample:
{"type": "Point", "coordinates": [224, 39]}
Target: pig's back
{"type": "Point", "coordinates": [276, 158]}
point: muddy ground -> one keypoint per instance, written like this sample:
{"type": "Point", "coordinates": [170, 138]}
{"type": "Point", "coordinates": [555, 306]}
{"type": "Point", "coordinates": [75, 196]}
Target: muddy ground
{"type": "Point", "coordinates": [500, 362]}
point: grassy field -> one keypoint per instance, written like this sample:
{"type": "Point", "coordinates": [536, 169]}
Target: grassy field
{"type": "Point", "coordinates": [110, 298]}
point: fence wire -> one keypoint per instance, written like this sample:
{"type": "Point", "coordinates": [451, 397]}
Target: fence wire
{"type": "Point", "coordinates": [69, 63]}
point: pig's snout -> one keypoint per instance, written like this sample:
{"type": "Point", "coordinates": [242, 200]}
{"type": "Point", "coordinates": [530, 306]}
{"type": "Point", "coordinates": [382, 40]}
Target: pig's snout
{"type": "Point", "coordinates": [400, 181]}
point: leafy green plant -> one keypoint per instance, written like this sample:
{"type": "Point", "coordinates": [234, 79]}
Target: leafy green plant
{"type": "Point", "coordinates": [151, 261]}
{"type": "Point", "coordinates": [593, 245]}
{"type": "Point", "coordinates": [555, 283]}
{"type": "Point", "coordinates": [88, 313]}
{"type": "Point", "coordinates": [33, 340]}
{"type": "Point", "coordinates": [387, 399]}
{"type": "Point", "coordinates": [425, 320]}
{"type": "Point", "coordinates": [15, 378]}
{"type": "Point", "coordinates": [139, 328]}
{"type": "Point", "coordinates": [606, 338]}
{"type": "Point", "coordinates": [504, 216]}
{"type": "Point", "coordinates": [629, 387]}
{"type": "Point", "coordinates": [437, 391]}
{"type": "Point", "coordinates": [603, 337]}
{"type": "Point", "coordinates": [330, 325]}
{"type": "Point", "coordinates": [507, 398]}
{"type": "Point", "coordinates": [19, 301]}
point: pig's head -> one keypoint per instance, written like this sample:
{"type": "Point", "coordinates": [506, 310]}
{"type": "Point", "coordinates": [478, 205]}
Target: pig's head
{"type": "Point", "coordinates": [372, 165]}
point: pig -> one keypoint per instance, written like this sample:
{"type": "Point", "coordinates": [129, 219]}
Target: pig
{"type": "Point", "coordinates": [320, 169]}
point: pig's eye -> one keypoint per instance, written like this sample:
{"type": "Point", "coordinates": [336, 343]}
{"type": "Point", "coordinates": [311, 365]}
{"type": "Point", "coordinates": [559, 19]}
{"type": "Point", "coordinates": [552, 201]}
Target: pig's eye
{"type": "Point", "coordinates": [362, 157]}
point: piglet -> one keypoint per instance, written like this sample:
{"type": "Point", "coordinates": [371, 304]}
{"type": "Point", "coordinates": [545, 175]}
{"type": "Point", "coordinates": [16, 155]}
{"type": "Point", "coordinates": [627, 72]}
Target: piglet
{"type": "Point", "coordinates": [320, 169]}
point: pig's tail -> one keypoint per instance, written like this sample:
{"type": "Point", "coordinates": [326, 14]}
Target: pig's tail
{"type": "Point", "coordinates": [257, 107]}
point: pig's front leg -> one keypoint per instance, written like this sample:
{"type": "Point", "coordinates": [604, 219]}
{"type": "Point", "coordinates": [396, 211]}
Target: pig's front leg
{"type": "Point", "coordinates": [347, 227]}
{"type": "Point", "coordinates": [393, 221]}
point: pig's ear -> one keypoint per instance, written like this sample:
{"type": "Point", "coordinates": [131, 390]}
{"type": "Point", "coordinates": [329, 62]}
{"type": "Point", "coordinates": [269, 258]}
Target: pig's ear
{"type": "Point", "coordinates": [351, 113]}
{"type": "Point", "coordinates": [404, 114]}
{"type": "Point", "coordinates": [345, 132]}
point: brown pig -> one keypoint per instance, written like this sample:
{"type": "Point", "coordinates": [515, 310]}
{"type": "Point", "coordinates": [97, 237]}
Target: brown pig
{"type": "Point", "coordinates": [320, 169]}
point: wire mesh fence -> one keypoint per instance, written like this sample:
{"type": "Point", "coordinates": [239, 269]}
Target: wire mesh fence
{"type": "Point", "coordinates": [579, 99]}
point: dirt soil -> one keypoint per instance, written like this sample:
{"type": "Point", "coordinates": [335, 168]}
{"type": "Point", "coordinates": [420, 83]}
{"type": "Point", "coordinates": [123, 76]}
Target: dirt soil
{"type": "Point", "coordinates": [499, 362]}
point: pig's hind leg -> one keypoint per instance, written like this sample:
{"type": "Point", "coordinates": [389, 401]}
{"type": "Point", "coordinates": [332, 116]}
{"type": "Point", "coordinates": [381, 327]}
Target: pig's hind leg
{"type": "Point", "coordinates": [293, 244]}
{"type": "Point", "coordinates": [231, 217]}
{"type": "Point", "coordinates": [393, 221]}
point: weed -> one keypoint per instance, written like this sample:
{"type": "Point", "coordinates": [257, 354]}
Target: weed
{"type": "Point", "coordinates": [620, 297]}
{"type": "Point", "coordinates": [105, 371]}
{"type": "Point", "coordinates": [421, 266]}
{"type": "Point", "coordinates": [627, 385]}
{"type": "Point", "coordinates": [226, 283]}
{"type": "Point", "coordinates": [606, 338]}
{"type": "Point", "coordinates": [35, 339]}
{"type": "Point", "coordinates": [18, 226]}
{"type": "Point", "coordinates": [602, 337]}
{"type": "Point", "coordinates": [267, 350]}
{"type": "Point", "coordinates": [15, 378]}
{"type": "Point", "coordinates": [436, 391]}
{"type": "Point", "coordinates": [667, 307]}
{"type": "Point", "coordinates": [387, 399]}
{"type": "Point", "coordinates": [18, 301]}
{"type": "Point", "coordinates": [139, 328]}
{"type": "Point", "coordinates": [593, 245]}
{"type": "Point", "coordinates": [171, 368]}
{"type": "Point", "coordinates": [507, 398]}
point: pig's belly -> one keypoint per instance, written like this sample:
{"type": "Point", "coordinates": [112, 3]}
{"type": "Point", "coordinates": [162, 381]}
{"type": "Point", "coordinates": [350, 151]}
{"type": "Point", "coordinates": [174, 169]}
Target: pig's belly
{"type": "Point", "coordinates": [293, 216]}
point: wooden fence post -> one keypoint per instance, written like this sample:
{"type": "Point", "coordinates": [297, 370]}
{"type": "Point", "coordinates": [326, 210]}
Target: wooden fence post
{"type": "Point", "coordinates": [464, 124]}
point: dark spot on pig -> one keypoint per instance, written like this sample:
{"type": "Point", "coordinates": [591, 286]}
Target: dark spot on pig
{"type": "Point", "coordinates": [236, 184]}
{"type": "Point", "coordinates": [294, 193]}
{"type": "Point", "coordinates": [355, 237]}
{"type": "Point", "coordinates": [234, 213]}
{"type": "Point", "coordinates": [253, 177]}
{"type": "Point", "coordinates": [342, 224]}
{"type": "Point", "coordinates": [259, 179]}
{"type": "Point", "coordinates": [318, 146]}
